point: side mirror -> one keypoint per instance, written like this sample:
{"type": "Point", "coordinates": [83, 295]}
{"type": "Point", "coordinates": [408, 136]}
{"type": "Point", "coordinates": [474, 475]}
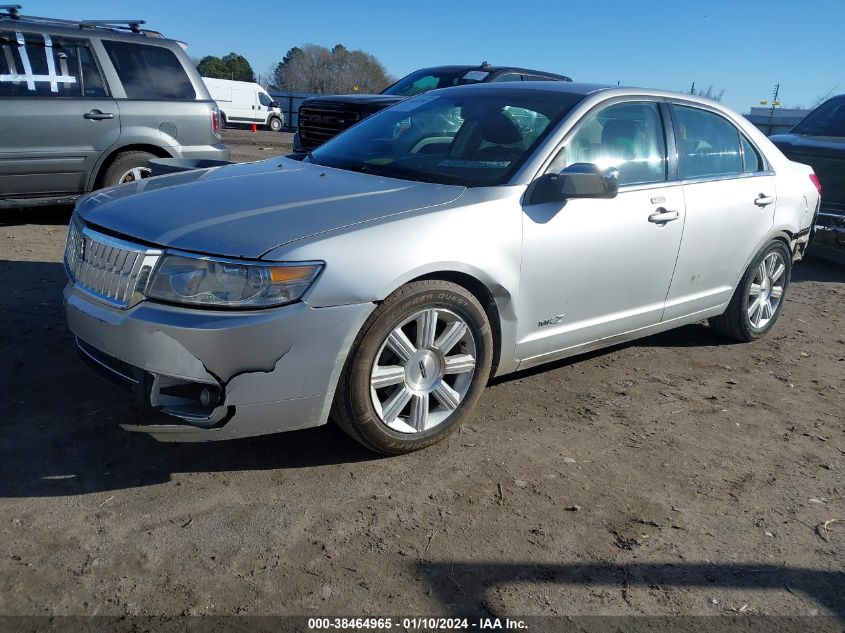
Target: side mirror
{"type": "Point", "coordinates": [275, 104]}
{"type": "Point", "coordinates": [586, 180]}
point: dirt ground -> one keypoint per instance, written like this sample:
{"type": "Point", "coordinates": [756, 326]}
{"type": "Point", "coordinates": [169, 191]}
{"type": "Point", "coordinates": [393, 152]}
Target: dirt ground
{"type": "Point", "coordinates": [680, 474]}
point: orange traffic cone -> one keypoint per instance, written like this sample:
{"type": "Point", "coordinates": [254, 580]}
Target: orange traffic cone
{"type": "Point", "coordinates": [254, 128]}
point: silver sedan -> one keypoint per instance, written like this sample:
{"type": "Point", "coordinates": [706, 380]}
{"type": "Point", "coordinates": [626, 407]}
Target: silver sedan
{"type": "Point", "coordinates": [466, 233]}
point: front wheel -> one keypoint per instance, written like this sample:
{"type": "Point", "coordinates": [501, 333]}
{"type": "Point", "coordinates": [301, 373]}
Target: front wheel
{"type": "Point", "coordinates": [275, 124]}
{"type": "Point", "coordinates": [417, 368]}
{"type": "Point", "coordinates": [758, 300]}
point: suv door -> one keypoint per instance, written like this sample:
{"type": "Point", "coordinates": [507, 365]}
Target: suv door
{"type": "Point", "coordinates": [730, 197]}
{"type": "Point", "coordinates": [595, 268]}
{"type": "Point", "coordinates": [56, 116]}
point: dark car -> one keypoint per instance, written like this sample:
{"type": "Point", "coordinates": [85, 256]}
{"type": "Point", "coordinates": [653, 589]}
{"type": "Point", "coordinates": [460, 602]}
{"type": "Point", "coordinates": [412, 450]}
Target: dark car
{"type": "Point", "coordinates": [819, 141]}
{"type": "Point", "coordinates": [321, 118]}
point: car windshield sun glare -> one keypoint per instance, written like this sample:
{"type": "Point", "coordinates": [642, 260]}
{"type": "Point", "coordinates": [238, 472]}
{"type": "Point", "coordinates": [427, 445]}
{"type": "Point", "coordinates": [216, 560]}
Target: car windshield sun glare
{"type": "Point", "coordinates": [466, 139]}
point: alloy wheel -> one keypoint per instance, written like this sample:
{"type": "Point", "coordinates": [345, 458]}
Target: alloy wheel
{"type": "Point", "coordinates": [423, 370]}
{"type": "Point", "coordinates": [136, 173]}
{"type": "Point", "coordinates": [766, 290]}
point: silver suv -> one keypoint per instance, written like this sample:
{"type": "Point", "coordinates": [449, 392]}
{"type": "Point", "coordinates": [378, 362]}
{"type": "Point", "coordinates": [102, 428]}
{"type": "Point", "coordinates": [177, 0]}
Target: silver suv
{"type": "Point", "coordinates": [85, 105]}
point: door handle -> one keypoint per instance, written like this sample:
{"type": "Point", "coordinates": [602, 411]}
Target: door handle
{"type": "Point", "coordinates": [762, 200]}
{"type": "Point", "coordinates": [661, 216]}
{"type": "Point", "coordinates": [96, 115]}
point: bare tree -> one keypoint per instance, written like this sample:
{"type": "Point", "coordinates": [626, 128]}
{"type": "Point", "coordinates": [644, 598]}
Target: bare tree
{"type": "Point", "coordinates": [823, 98]}
{"type": "Point", "coordinates": [313, 68]}
{"type": "Point", "coordinates": [709, 93]}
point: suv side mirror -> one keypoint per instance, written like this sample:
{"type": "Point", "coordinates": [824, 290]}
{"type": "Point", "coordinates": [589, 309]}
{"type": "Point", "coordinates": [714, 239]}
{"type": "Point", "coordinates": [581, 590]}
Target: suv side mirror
{"type": "Point", "coordinates": [586, 180]}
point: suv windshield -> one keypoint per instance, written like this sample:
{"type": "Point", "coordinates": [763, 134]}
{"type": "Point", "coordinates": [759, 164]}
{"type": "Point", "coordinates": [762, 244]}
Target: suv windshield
{"type": "Point", "coordinates": [465, 137]}
{"type": "Point", "coordinates": [826, 120]}
{"type": "Point", "coordinates": [431, 78]}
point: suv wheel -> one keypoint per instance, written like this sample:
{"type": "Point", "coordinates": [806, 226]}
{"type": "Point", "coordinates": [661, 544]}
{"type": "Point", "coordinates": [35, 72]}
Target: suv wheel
{"type": "Point", "coordinates": [758, 300]}
{"type": "Point", "coordinates": [275, 124]}
{"type": "Point", "coordinates": [128, 167]}
{"type": "Point", "coordinates": [417, 368]}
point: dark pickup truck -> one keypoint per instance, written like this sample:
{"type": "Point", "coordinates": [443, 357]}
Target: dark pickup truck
{"type": "Point", "coordinates": [321, 118]}
{"type": "Point", "coordinates": [819, 141]}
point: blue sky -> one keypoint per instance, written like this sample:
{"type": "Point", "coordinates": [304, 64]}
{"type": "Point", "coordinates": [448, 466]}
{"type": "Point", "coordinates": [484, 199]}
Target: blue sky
{"type": "Point", "coordinates": [743, 46]}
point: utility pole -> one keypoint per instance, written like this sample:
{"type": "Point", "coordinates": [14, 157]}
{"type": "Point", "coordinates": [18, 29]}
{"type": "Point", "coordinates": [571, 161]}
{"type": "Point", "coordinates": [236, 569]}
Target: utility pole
{"type": "Point", "coordinates": [692, 88]}
{"type": "Point", "coordinates": [772, 111]}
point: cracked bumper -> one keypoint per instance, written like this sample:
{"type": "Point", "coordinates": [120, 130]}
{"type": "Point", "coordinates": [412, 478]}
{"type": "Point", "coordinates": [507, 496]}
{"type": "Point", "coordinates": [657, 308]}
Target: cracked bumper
{"type": "Point", "coordinates": [266, 371]}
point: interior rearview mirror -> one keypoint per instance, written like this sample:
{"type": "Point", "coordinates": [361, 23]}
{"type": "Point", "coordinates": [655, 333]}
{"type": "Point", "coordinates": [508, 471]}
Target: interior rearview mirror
{"type": "Point", "coordinates": [587, 180]}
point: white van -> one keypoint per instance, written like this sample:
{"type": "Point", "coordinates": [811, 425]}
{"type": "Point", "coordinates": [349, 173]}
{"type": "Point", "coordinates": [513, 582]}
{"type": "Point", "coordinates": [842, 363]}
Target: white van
{"type": "Point", "coordinates": [245, 102]}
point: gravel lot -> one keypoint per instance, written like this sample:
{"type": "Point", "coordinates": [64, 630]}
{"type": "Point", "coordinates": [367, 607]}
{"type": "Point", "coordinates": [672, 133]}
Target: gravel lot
{"type": "Point", "coordinates": [681, 474]}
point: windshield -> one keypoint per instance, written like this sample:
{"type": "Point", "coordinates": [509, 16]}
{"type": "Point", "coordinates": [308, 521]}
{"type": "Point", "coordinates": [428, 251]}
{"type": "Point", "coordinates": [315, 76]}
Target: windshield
{"type": "Point", "coordinates": [431, 78]}
{"type": "Point", "coordinates": [474, 137]}
{"type": "Point", "coordinates": [826, 120]}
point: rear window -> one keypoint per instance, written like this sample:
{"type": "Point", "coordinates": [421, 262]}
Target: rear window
{"type": "Point", "coordinates": [149, 72]}
{"type": "Point", "coordinates": [826, 120]}
{"type": "Point", "coordinates": [41, 65]}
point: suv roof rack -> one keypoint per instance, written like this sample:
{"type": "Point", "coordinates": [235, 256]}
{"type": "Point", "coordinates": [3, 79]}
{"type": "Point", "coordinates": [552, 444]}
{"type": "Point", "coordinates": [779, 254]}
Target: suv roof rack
{"type": "Point", "coordinates": [132, 25]}
{"type": "Point", "coordinates": [13, 11]}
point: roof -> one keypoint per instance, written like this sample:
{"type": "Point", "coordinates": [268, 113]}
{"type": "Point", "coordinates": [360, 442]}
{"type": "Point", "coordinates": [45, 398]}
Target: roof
{"type": "Point", "coordinates": [568, 87]}
{"type": "Point", "coordinates": [492, 69]}
{"type": "Point", "coordinates": [126, 30]}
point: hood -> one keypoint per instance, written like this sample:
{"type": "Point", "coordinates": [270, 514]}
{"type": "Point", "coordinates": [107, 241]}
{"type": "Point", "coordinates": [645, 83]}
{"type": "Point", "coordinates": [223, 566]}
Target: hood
{"type": "Point", "coordinates": [360, 101]}
{"type": "Point", "coordinates": [248, 209]}
{"type": "Point", "coordinates": [821, 146]}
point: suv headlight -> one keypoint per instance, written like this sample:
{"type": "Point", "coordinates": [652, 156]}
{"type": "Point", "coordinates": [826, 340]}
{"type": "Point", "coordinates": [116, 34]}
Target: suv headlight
{"type": "Point", "coordinates": [229, 283]}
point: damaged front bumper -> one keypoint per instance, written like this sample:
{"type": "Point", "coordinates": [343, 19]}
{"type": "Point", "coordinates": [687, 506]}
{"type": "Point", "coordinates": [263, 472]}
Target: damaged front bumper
{"type": "Point", "coordinates": [217, 374]}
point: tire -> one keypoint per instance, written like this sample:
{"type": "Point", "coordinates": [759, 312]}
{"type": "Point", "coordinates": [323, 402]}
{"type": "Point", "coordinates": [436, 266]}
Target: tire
{"type": "Point", "coordinates": [420, 400]}
{"type": "Point", "coordinates": [128, 167]}
{"type": "Point", "coordinates": [768, 276]}
{"type": "Point", "coordinates": [275, 124]}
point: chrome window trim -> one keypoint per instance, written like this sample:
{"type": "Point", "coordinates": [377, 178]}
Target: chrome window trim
{"type": "Point", "coordinates": [753, 174]}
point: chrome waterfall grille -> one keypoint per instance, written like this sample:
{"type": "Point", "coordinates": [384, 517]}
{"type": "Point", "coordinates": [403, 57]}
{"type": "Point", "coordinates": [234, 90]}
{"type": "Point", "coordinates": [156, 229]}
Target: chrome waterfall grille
{"type": "Point", "coordinates": [111, 270]}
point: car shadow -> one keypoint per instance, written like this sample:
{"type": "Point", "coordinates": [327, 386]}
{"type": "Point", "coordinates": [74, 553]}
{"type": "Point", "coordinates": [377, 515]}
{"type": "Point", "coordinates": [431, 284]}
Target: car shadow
{"type": "Point", "coordinates": [60, 433]}
{"type": "Point", "coordinates": [54, 214]}
{"type": "Point", "coordinates": [465, 588]}
{"type": "Point", "coordinates": [813, 268]}
{"type": "Point", "coordinates": [59, 428]}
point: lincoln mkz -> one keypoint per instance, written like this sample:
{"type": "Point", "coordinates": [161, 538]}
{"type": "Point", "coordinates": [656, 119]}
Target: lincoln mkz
{"type": "Point", "coordinates": [462, 234]}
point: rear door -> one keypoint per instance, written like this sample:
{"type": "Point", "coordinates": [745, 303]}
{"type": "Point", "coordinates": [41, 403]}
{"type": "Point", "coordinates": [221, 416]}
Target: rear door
{"type": "Point", "coordinates": [56, 115]}
{"type": "Point", "coordinates": [730, 199]}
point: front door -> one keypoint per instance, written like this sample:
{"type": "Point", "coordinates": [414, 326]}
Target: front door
{"type": "Point", "coordinates": [593, 268]}
{"type": "Point", "coordinates": [56, 118]}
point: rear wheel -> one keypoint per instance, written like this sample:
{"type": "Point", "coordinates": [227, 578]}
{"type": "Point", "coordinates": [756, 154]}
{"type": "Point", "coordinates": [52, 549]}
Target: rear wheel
{"type": "Point", "coordinates": [128, 167]}
{"type": "Point", "coordinates": [758, 300]}
{"type": "Point", "coordinates": [416, 370]}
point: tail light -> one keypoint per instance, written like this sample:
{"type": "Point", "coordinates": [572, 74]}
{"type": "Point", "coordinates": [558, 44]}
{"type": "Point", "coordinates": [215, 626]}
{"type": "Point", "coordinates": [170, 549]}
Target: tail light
{"type": "Point", "coordinates": [215, 122]}
{"type": "Point", "coordinates": [816, 182]}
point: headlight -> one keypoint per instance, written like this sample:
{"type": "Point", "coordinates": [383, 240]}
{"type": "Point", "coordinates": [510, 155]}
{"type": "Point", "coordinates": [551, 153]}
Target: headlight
{"type": "Point", "coordinates": [229, 284]}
